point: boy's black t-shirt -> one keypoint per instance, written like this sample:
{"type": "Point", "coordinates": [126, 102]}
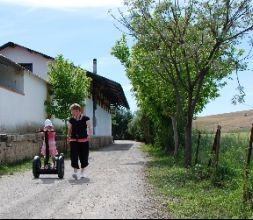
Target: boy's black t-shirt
{"type": "Point", "coordinates": [79, 127]}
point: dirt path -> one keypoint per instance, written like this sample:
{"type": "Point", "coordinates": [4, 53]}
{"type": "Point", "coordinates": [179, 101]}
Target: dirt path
{"type": "Point", "coordinates": [114, 188]}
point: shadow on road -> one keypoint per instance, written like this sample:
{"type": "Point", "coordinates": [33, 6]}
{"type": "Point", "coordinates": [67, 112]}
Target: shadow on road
{"type": "Point", "coordinates": [79, 182]}
{"type": "Point", "coordinates": [47, 180]}
{"type": "Point", "coordinates": [139, 163]}
{"type": "Point", "coordinates": [118, 147]}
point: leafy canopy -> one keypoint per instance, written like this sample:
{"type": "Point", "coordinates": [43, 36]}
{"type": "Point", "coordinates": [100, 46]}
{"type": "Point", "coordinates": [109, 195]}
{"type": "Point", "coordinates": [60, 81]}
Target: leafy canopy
{"type": "Point", "coordinates": [69, 84]}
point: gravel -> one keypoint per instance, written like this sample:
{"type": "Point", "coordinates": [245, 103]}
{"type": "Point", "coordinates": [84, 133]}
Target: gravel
{"type": "Point", "coordinates": [115, 187]}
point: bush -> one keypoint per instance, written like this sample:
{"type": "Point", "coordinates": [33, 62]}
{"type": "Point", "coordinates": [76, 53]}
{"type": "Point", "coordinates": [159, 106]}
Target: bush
{"type": "Point", "coordinates": [121, 118]}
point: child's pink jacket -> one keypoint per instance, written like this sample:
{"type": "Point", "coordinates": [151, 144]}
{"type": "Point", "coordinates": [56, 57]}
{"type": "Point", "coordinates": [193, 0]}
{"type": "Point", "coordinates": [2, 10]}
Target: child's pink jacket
{"type": "Point", "coordinates": [52, 144]}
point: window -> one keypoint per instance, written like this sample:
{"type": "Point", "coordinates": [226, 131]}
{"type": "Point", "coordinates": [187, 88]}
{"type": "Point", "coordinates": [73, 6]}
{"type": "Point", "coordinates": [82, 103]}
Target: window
{"type": "Point", "coordinates": [28, 66]}
{"type": "Point", "coordinates": [11, 79]}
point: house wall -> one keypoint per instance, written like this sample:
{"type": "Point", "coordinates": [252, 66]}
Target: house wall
{"type": "Point", "coordinates": [14, 148]}
{"type": "Point", "coordinates": [88, 111]}
{"type": "Point", "coordinates": [30, 112]}
{"type": "Point", "coordinates": [103, 122]}
{"type": "Point", "coordinates": [23, 113]}
{"type": "Point", "coordinates": [21, 55]}
{"type": "Point", "coordinates": [103, 119]}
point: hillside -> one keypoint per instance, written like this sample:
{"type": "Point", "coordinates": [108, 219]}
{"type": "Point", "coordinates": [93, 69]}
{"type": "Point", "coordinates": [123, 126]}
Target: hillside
{"type": "Point", "coordinates": [230, 122]}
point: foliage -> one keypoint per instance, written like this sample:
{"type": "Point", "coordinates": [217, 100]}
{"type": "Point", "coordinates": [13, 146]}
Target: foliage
{"type": "Point", "coordinates": [135, 127]}
{"type": "Point", "coordinates": [69, 84]}
{"type": "Point", "coordinates": [203, 193]}
{"type": "Point", "coordinates": [152, 94]}
{"type": "Point", "coordinates": [182, 54]}
{"type": "Point", "coordinates": [121, 118]}
{"type": "Point", "coordinates": [141, 128]}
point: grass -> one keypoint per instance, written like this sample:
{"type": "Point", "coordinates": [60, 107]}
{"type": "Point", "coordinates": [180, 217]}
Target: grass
{"type": "Point", "coordinates": [11, 169]}
{"type": "Point", "coordinates": [202, 192]}
{"type": "Point", "coordinates": [25, 165]}
{"type": "Point", "coordinates": [22, 166]}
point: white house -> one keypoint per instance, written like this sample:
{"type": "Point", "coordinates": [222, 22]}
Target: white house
{"type": "Point", "coordinates": [24, 89]}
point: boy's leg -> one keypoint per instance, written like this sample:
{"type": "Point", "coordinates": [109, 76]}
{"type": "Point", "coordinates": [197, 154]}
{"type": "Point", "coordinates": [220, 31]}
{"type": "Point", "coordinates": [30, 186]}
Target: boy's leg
{"type": "Point", "coordinates": [84, 155]}
{"type": "Point", "coordinates": [74, 155]}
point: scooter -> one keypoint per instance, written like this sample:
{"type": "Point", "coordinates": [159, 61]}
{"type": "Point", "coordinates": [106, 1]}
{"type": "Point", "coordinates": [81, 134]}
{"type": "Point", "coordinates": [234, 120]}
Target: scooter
{"type": "Point", "coordinates": [48, 169]}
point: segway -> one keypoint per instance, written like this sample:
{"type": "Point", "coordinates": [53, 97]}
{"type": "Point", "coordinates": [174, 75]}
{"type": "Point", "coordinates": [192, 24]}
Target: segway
{"type": "Point", "coordinates": [48, 169]}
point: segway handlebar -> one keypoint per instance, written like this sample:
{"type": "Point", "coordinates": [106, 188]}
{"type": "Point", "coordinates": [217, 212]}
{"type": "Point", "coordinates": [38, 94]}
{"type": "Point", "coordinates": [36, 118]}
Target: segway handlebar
{"type": "Point", "coordinates": [42, 131]}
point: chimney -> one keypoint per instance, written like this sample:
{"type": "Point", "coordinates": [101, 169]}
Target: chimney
{"type": "Point", "coordinates": [95, 66]}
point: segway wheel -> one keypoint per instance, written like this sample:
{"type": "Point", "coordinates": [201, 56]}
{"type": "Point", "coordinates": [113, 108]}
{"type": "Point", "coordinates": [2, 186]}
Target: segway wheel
{"type": "Point", "coordinates": [61, 167]}
{"type": "Point", "coordinates": [36, 167]}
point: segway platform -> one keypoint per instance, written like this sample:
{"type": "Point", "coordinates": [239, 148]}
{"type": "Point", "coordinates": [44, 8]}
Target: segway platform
{"type": "Point", "coordinates": [38, 169]}
{"type": "Point", "coordinates": [47, 169]}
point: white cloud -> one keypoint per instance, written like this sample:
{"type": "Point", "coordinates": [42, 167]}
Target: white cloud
{"type": "Point", "coordinates": [65, 4]}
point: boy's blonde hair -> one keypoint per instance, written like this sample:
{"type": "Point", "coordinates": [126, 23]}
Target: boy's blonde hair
{"type": "Point", "coordinates": [75, 106]}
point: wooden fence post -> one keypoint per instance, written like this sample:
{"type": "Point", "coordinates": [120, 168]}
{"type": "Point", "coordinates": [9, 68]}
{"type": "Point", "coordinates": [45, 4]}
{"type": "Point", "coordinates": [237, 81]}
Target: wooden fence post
{"type": "Point", "coordinates": [214, 160]}
{"type": "Point", "coordinates": [197, 150]}
{"type": "Point", "coordinates": [246, 193]}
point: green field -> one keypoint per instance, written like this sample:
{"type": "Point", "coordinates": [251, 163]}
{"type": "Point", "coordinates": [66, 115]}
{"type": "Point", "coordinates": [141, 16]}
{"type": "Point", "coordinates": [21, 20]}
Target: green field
{"type": "Point", "coordinates": [233, 122]}
{"type": "Point", "coordinates": [202, 192]}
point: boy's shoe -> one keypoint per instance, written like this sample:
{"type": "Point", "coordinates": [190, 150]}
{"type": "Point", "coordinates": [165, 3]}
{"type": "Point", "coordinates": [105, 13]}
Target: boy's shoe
{"type": "Point", "coordinates": [82, 175]}
{"type": "Point", "coordinates": [75, 176]}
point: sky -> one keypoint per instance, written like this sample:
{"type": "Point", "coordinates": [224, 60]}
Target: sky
{"type": "Point", "coordinates": [82, 30]}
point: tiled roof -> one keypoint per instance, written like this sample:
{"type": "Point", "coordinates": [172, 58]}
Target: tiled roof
{"type": "Point", "coordinates": [11, 44]}
{"type": "Point", "coordinates": [112, 90]}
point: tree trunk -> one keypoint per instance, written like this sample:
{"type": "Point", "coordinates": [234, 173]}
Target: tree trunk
{"type": "Point", "coordinates": [176, 135]}
{"type": "Point", "coordinates": [188, 145]}
{"type": "Point", "coordinates": [188, 137]}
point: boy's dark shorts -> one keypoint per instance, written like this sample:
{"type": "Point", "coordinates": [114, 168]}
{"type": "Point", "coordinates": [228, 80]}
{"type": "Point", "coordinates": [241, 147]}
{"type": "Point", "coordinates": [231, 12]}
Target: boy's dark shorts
{"type": "Point", "coordinates": [79, 152]}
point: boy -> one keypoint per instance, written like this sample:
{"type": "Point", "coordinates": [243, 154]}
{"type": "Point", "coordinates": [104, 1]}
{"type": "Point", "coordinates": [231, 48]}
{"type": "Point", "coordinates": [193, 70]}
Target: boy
{"type": "Point", "coordinates": [79, 134]}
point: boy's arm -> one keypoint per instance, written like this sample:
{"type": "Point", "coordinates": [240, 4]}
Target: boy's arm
{"type": "Point", "coordinates": [89, 129]}
{"type": "Point", "coordinates": [69, 131]}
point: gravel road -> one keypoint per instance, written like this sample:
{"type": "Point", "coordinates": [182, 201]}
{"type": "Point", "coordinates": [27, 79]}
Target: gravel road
{"type": "Point", "coordinates": [115, 188]}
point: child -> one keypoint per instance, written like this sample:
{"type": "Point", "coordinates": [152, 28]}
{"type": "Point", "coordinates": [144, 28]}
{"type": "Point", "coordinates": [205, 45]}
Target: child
{"type": "Point", "coordinates": [50, 132]}
{"type": "Point", "coordinates": [79, 134]}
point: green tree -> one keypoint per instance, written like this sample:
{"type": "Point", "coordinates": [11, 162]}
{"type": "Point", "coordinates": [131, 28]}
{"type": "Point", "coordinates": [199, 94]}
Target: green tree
{"type": "Point", "coordinates": [121, 118]}
{"type": "Point", "coordinates": [141, 128]}
{"type": "Point", "coordinates": [69, 84]}
{"type": "Point", "coordinates": [152, 94]}
{"type": "Point", "coordinates": [191, 46]}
